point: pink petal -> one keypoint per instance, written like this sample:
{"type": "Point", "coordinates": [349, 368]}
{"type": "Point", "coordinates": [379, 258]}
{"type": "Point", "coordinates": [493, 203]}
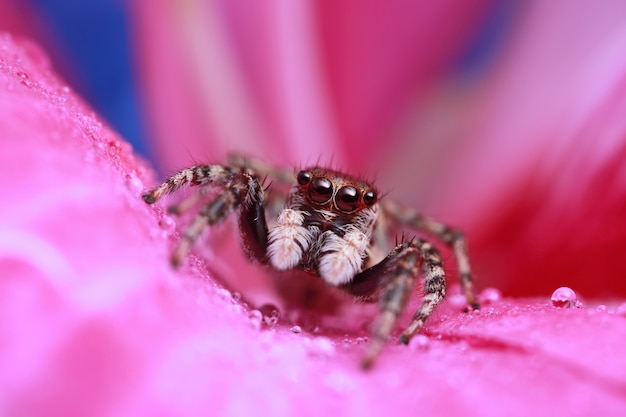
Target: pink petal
{"type": "Point", "coordinates": [534, 167]}
{"type": "Point", "coordinates": [291, 82]}
{"type": "Point", "coordinates": [95, 322]}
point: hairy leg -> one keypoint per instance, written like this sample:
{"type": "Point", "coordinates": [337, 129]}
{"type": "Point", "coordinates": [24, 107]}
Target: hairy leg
{"type": "Point", "coordinates": [451, 237]}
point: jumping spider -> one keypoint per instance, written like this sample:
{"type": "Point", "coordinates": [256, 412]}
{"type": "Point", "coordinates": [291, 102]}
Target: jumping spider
{"type": "Point", "coordinates": [331, 225]}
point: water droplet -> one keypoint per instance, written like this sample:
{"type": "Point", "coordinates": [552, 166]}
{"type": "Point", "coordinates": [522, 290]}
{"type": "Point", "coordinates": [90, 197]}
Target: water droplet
{"type": "Point", "coordinates": [321, 347]}
{"type": "Point", "coordinates": [490, 295]}
{"type": "Point", "coordinates": [621, 310]}
{"type": "Point", "coordinates": [270, 313]}
{"type": "Point", "coordinates": [564, 297]}
{"type": "Point", "coordinates": [167, 223]}
{"type": "Point", "coordinates": [420, 342]}
{"type": "Point", "coordinates": [256, 319]}
{"type": "Point", "coordinates": [236, 296]}
{"type": "Point", "coordinates": [457, 301]}
{"type": "Point", "coordinates": [296, 329]}
{"type": "Point", "coordinates": [602, 308]}
{"type": "Point", "coordinates": [135, 185]}
{"type": "Point", "coordinates": [360, 340]}
{"type": "Point", "coordinates": [224, 294]}
{"type": "Point", "coordinates": [24, 79]}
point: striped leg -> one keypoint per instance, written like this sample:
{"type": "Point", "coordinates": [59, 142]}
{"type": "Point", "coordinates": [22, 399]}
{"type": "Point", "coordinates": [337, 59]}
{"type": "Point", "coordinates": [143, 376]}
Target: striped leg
{"type": "Point", "coordinates": [396, 274]}
{"type": "Point", "coordinates": [434, 290]}
{"type": "Point", "coordinates": [197, 175]}
{"type": "Point", "coordinates": [240, 189]}
{"type": "Point", "coordinates": [451, 237]}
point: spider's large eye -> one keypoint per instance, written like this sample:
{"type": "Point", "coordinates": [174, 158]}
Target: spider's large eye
{"type": "Point", "coordinates": [304, 177]}
{"type": "Point", "coordinates": [321, 190]}
{"type": "Point", "coordinates": [369, 198]}
{"type": "Point", "coordinates": [347, 199]}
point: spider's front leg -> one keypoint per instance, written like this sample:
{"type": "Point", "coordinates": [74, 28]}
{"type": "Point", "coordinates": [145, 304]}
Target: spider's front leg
{"type": "Point", "coordinates": [240, 189]}
{"type": "Point", "coordinates": [391, 280]}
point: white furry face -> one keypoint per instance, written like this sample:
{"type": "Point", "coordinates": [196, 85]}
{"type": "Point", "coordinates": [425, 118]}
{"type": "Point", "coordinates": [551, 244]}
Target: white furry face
{"type": "Point", "coordinates": [326, 227]}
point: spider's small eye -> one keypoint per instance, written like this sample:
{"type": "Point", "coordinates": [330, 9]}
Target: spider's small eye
{"type": "Point", "coordinates": [347, 199]}
{"type": "Point", "coordinates": [321, 190]}
{"type": "Point", "coordinates": [304, 177]}
{"type": "Point", "coordinates": [369, 198]}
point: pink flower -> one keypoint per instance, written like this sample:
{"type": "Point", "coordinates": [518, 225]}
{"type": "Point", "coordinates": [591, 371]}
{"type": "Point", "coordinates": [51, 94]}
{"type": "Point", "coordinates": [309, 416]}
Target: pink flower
{"type": "Point", "coordinates": [96, 322]}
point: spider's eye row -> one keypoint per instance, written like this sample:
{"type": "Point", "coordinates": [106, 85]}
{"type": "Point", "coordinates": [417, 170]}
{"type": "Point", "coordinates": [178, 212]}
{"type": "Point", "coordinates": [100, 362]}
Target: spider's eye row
{"type": "Point", "coordinates": [347, 198]}
{"type": "Point", "coordinates": [369, 198]}
{"type": "Point", "coordinates": [321, 190]}
{"type": "Point", "coordinates": [304, 177]}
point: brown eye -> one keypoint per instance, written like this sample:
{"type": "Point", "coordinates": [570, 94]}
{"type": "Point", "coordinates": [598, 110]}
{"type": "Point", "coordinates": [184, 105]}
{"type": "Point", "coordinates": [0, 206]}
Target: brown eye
{"type": "Point", "coordinates": [347, 199]}
{"type": "Point", "coordinates": [304, 177]}
{"type": "Point", "coordinates": [369, 198]}
{"type": "Point", "coordinates": [321, 190]}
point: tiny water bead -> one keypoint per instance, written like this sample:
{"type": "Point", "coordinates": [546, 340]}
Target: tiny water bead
{"type": "Point", "coordinates": [490, 295]}
{"type": "Point", "coordinates": [320, 347]}
{"type": "Point", "coordinates": [620, 310]}
{"type": "Point", "coordinates": [419, 341]}
{"type": "Point", "coordinates": [296, 329]}
{"type": "Point", "coordinates": [270, 314]}
{"type": "Point", "coordinates": [564, 297]}
{"type": "Point", "coordinates": [256, 319]}
{"type": "Point", "coordinates": [167, 223]}
{"type": "Point", "coordinates": [458, 301]}
{"type": "Point", "coordinates": [134, 184]}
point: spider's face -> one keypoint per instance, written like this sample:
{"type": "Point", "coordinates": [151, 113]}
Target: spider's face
{"type": "Point", "coordinates": [329, 190]}
{"type": "Point", "coordinates": [326, 226]}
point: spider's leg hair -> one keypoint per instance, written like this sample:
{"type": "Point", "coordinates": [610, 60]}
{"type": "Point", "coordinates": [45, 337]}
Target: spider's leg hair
{"type": "Point", "coordinates": [252, 221]}
{"type": "Point", "coordinates": [196, 175]}
{"type": "Point", "coordinates": [434, 289]}
{"type": "Point", "coordinates": [212, 213]}
{"type": "Point", "coordinates": [390, 281]}
{"type": "Point", "coordinates": [453, 238]}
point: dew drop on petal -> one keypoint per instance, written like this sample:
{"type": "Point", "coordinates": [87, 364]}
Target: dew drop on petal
{"type": "Point", "coordinates": [135, 185]}
{"type": "Point", "coordinates": [621, 310]}
{"type": "Point", "coordinates": [419, 341]}
{"type": "Point", "coordinates": [296, 329]}
{"type": "Point", "coordinates": [490, 295]}
{"type": "Point", "coordinates": [270, 313]}
{"type": "Point", "coordinates": [563, 297]}
{"type": "Point", "coordinates": [256, 319]}
{"type": "Point", "coordinates": [360, 340]}
{"type": "Point", "coordinates": [602, 308]}
{"type": "Point", "coordinates": [167, 223]}
{"type": "Point", "coordinates": [24, 79]}
{"type": "Point", "coordinates": [457, 301]}
{"type": "Point", "coordinates": [224, 294]}
{"type": "Point", "coordinates": [321, 347]}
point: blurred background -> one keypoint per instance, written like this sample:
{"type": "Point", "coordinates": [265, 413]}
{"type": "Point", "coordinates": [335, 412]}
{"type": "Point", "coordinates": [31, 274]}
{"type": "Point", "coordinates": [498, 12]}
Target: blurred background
{"type": "Point", "coordinates": [92, 45]}
{"type": "Point", "coordinates": [504, 118]}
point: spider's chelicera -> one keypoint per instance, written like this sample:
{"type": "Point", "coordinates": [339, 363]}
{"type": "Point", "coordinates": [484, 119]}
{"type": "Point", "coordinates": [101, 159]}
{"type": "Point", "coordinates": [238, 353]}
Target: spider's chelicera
{"type": "Point", "coordinates": [330, 226]}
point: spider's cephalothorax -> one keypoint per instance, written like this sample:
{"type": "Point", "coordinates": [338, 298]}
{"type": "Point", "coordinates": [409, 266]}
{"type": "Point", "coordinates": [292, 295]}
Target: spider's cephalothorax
{"type": "Point", "coordinates": [331, 225]}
